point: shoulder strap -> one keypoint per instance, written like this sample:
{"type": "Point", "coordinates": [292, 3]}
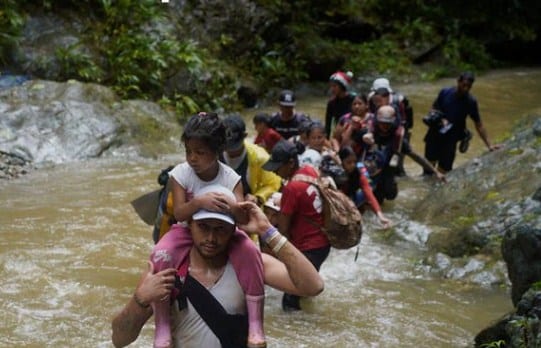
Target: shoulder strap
{"type": "Point", "coordinates": [312, 181]}
{"type": "Point", "coordinates": [225, 326]}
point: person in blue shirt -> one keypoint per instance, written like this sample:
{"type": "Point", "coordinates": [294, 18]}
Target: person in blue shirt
{"type": "Point", "coordinates": [444, 133]}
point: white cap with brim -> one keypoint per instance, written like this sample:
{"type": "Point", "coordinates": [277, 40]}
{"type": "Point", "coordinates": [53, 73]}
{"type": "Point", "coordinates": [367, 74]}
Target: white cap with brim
{"type": "Point", "coordinates": [206, 214]}
{"type": "Point", "coordinates": [273, 201]}
{"type": "Point", "coordinates": [381, 83]}
{"type": "Point", "coordinates": [203, 214]}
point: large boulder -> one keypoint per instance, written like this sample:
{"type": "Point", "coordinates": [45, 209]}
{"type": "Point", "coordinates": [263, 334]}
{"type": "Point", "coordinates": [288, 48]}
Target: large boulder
{"type": "Point", "coordinates": [44, 121]}
{"type": "Point", "coordinates": [521, 250]}
{"type": "Point", "coordinates": [520, 329]}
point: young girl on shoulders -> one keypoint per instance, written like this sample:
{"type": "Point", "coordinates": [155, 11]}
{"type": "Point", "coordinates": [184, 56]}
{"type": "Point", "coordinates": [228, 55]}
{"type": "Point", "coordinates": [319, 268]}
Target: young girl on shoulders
{"type": "Point", "coordinates": [204, 138]}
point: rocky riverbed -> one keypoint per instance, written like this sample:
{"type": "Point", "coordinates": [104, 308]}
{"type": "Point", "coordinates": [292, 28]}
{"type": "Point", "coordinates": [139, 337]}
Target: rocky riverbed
{"type": "Point", "coordinates": [12, 166]}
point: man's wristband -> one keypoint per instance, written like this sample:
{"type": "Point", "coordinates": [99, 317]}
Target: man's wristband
{"type": "Point", "coordinates": [269, 233]}
{"type": "Point", "coordinates": [279, 245]}
{"type": "Point", "coordinates": [139, 302]}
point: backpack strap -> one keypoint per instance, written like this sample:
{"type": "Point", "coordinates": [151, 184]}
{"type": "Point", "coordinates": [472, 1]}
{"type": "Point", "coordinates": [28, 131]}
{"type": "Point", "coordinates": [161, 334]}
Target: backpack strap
{"type": "Point", "coordinates": [231, 329]}
{"type": "Point", "coordinates": [305, 178]}
{"type": "Point", "coordinates": [312, 181]}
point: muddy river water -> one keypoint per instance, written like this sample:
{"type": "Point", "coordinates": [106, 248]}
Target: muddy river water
{"type": "Point", "coordinates": [72, 249]}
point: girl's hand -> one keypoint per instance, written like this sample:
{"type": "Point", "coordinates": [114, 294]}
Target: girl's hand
{"type": "Point", "coordinates": [385, 222]}
{"type": "Point", "coordinates": [251, 198]}
{"type": "Point", "coordinates": [214, 201]}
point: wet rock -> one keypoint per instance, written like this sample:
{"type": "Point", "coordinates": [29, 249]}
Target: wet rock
{"type": "Point", "coordinates": [456, 243]}
{"type": "Point", "coordinates": [442, 261]}
{"type": "Point", "coordinates": [537, 128]}
{"type": "Point", "coordinates": [472, 265]}
{"type": "Point", "coordinates": [478, 269]}
{"type": "Point", "coordinates": [537, 195]}
{"type": "Point", "coordinates": [43, 36]}
{"type": "Point", "coordinates": [494, 333]}
{"type": "Point", "coordinates": [521, 250]}
{"type": "Point", "coordinates": [8, 80]}
{"type": "Point", "coordinates": [12, 166]}
{"type": "Point", "coordinates": [485, 278]}
{"type": "Point", "coordinates": [45, 121]}
{"type": "Point", "coordinates": [519, 329]}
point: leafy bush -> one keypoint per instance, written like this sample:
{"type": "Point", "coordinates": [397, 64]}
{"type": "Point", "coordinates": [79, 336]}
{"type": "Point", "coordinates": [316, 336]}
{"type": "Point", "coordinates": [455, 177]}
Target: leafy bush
{"type": "Point", "coordinates": [11, 23]}
{"type": "Point", "coordinates": [134, 46]}
{"type": "Point", "coordinates": [377, 57]}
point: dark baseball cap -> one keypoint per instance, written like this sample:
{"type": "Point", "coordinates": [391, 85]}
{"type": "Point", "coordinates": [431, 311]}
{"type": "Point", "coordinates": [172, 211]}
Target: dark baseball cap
{"type": "Point", "coordinates": [281, 153]}
{"type": "Point", "coordinates": [467, 75]}
{"type": "Point", "coordinates": [287, 98]}
{"type": "Point", "coordinates": [235, 132]}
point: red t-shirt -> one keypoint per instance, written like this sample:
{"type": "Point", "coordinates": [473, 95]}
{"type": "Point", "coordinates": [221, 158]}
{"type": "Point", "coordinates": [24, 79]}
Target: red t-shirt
{"type": "Point", "coordinates": [303, 203]}
{"type": "Point", "coordinates": [268, 139]}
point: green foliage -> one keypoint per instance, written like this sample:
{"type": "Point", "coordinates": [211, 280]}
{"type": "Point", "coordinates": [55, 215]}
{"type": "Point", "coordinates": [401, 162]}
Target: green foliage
{"type": "Point", "coordinates": [11, 23]}
{"type": "Point", "coordinates": [525, 332]}
{"type": "Point", "coordinates": [536, 286]}
{"type": "Point", "coordinates": [377, 57]}
{"type": "Point", "coordinates": [277, 70]}
{"type": "Point", "coordinates": [78, 65]}
{"type": "Point", "coordinates": [463, 222]}
{"type": "Point", "coordinates": [495, 344]}
{"type": "Point", "coordinates": [133, 46]}
{"type": "Point", "coordinates": [465, 53]}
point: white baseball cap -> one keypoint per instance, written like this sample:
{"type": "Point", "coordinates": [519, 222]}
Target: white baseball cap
{"type": "Point", "coordinates": [203, 214]}
{"type": "Point", "coordinates": [381, 83]}
{"type": "Point", "coordinates": [274, 201]}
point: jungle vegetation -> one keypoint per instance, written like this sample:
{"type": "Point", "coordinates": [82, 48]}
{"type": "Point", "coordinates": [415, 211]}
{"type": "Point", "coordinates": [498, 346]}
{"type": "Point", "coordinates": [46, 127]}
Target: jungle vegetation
{"type": "Point", "coordinates": [147, 49]}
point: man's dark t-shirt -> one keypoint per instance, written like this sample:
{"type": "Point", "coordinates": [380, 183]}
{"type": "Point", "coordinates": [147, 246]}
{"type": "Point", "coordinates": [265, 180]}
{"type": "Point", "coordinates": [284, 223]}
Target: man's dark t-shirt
{"type": "Point", "coordinates": [336, 108]}
{"type": "Point", "coordinates": [456, 108]}
{"type": "Point", "coordinates": [289, 128]}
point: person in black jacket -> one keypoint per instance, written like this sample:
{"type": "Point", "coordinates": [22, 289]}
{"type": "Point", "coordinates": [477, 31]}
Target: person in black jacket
{"type": "Point", "coordinates": [341, 99]}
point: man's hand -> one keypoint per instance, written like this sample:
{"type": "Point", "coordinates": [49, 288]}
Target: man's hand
{"type": "Point", "coordinates": [495, 147]}
{"type": "Point", "coordinates": [441, 177]}
{"type": "Point", "coordinates": [251, 198]}
{"type": "Point", "coordinates": [257, 220]}
{"type": "Point", "coordinates": [155, 287]}
{"type": "Point", "coordinates": [368, 139]}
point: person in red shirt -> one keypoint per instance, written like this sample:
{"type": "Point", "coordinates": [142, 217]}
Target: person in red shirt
{"type": "Point", "coordinates": [266, 137]}
{"type": "Point", "coordinates": [301, 210]}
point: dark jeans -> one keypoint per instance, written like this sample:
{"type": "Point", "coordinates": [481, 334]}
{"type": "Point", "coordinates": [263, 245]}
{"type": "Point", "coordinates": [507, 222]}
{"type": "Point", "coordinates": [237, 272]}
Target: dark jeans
{"type": "Point", "coordinates": [316, 257]}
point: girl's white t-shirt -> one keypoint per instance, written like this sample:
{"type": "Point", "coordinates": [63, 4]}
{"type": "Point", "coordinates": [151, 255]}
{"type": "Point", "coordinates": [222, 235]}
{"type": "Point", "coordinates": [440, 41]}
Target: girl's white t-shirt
{"type": "Point", "coordinates": [186, 177]}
